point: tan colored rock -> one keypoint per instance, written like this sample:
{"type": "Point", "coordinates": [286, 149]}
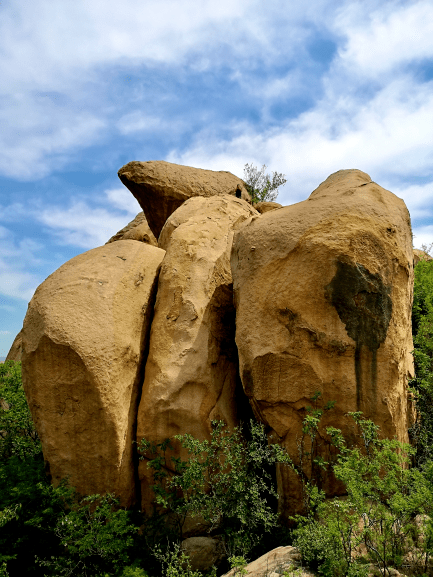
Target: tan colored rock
{"type": "Point", "coordinates": [191, 374]}
{"type": "Point", "coordinates": [161, 187]}
{"type": "Point", "coordinates": [323, 293]}
{"type": "Point", "coordinates": [267, 206]}
{"type": "Point", "coordinates": [83, 340]}
{"type": "Point", "coordinates": [203, 552]}
{"type": "Point", "coordinates": [275, 562]}
{"type": "Point", "coordinates": [16, 350]}
{"type": "Point", "coordinates": [137, 229]}
{"type": "Point", "coordinates": [419, 254]}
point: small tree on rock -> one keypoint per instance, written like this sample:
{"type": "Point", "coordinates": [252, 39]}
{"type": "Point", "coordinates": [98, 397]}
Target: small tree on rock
{"type": "Point", "coordinates": [262, 186]}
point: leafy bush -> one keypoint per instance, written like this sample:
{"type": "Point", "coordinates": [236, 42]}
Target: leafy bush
{"type": "Point", "coordinates": [226, 480]}
{"type": "Point", "coordinates": [18, 437]}
{"type": "Point", "coordinates": [96, 536]}
{"type": "Point", "coordinates": [422, 385]}
{"type": "Point", "coordinates": [262, 186]}
{"type": "Point", "coordinates": [383, 497]}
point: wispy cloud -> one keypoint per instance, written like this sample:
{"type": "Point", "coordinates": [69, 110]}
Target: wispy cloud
{"type": "Point", "coordinates": [86, 226]}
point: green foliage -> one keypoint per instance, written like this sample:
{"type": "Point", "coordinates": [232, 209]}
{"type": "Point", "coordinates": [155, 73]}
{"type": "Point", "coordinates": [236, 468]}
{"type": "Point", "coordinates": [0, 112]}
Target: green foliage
{"type": "Point", "coordinates": [134, 571]}
{"type": "Point", "coordinates": [175, 563]}
{"type": "Point", "coordinates": [422, 385]}
{"type": "Point", "coordinates": [238, 564]}
{"type": "Point", "coordinates": [226, 480]}
{"type": "Point", "coordinates": [29, 506]}
{"type": "Point", "coordinates": [260, 185]}
{"type": "Point", "coordinates": [383, 497]}
{"type": "Point", "coordinates": [18, 436]}
{"type": "Point", "coordinates": [96, 536]}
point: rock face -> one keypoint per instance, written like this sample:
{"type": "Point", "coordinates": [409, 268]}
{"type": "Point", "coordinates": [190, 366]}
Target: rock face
{"type": "Point", "coordinates": [16, 350]}
{"type": "Point", "coordinates": [191, 373]}
{"type": "Point", "coordinates": [267, 206]}
{"type": "Point", "coordinates": [275, 562]}
{"type": "Point", "coordinates": [137, 229]}
{"type": "Point", "coordinates": [161, 187]}
{"type": "Point", "coordinates": [317, 296]}
{"type": "Point", "coordinates": [323, 293]}
{"type": "Point", "coordinates": [203, 552]}
{"type": "Point", "coordinates": [83, 341]}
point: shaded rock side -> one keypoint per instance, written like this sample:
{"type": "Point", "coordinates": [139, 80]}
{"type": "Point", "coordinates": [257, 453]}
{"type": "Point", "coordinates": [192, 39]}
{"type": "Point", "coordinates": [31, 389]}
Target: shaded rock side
{"type": "Point", "coordinates": [137, 229]}
{"type": "Point", "coordinates": [16, 350]}
{"type": "Point", "coordinates": [323, 293]}
{"type": "Point", "coordinates": [83, 340]}
{"type": "Point", "coordinates": [203, 552]}
{"type": "Point", "coordinates": [191, 374]}
{"type": "Point", "coordinates": [161, 187]}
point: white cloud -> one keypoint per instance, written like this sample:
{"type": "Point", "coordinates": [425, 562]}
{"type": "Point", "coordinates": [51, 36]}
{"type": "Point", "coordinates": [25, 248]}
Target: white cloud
{"type": "Point", "coordinates": [82, 225]}
{"type": "Point", "coordinates": [17, 258]}
{"type": "Point", "coordinates": [387, 136]}
{"type": "Point", "coordinates": [122, 199]}
{"type": "Point", "coordinates": [388, 37]}
{"type": "Point", "coordinates": [423, 235]}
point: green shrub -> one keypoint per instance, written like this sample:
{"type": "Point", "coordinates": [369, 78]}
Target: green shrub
{"type": "Point", "coordinates": [383, 497]}
{"type": "Point", "coordinates": [226, 480]}
{"type": "Point", "coordinates": [96, 536]}
{"type": "Point", "coordinates": [261, 186]}
{"type": "Point", "coordinates": [422, 385]}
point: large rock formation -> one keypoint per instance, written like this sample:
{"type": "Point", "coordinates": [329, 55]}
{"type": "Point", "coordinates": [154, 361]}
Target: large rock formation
{"type": "Point", "coordinates": [323, 293]}
{"type": "Point", "coordinates": [161, 187]}
{"type": "Point", "coordinates": [192, 369]}
{"type": "Point", "coordinates": [322, 303]}
{"type": "Point", "coordinates": [84, 337]}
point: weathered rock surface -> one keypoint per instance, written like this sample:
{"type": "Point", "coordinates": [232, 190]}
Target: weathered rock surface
{"type": "Point", "coordinates": [275, 562]}
{"type": "Point", "coordinates": [323, 293]}
{"type": "Point", "coordinates": [16, 350]}
{"type": "Point", "coordinates": [203, 552]}
{"type": "Point", "coordinates": [161, 187]}
{"type": "Point", "coordinates": [137, 229]}
{"type": "Point", "coordinates": [83, 341]}
{"type": "Point", "coordinates": [267, 206]}
{"type": "Point", "coordinates": [191, 373]}
{"type": "Point", "coordinates": [419, 254]}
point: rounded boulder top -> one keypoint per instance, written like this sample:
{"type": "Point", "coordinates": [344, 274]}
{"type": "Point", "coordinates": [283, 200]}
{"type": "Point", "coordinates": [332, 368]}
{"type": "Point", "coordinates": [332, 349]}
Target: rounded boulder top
{"type": "Point", "coordinates": [160, 187]}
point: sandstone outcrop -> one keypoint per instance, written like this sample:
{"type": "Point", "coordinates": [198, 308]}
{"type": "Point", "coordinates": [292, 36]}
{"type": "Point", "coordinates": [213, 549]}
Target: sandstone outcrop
{"type": "Point", "coordinates": [323, 294]}
{"type": "Point", "coordinates": [275, 562]}
{"type": "Point", "coordinates": [191, 373]}
{"type": "Point", "coordinates": [16, 350]}
{"type": "Point", "coordinates": [267, 206]}
{"type": "Point", "coordinates": [419, 254]}
{"type": "Point", "coordinates": [233, 305]}
{"type": "Point", "coordinates": [137, 229]}
{"type": "Point", "coordinates": [84, 337]}
{"type": "Point", "coordinates": [161, 187]}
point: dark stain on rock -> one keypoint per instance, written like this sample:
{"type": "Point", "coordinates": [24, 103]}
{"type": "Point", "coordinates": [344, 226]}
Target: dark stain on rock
{"type": "Point", "coordinates": [364, 305]}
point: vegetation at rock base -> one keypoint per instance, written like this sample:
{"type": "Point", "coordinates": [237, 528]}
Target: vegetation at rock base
{"type": "Point", "coordinates": [384, 519]}
{"type": "Point", "coordinates": [260, 185]}
{"type": "Point", "coordinates": [422, 385]}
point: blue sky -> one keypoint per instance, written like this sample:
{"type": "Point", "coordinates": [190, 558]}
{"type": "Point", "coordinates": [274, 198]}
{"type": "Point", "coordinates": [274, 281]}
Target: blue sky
{"type": "Point", "coordinates": [305, 88]}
